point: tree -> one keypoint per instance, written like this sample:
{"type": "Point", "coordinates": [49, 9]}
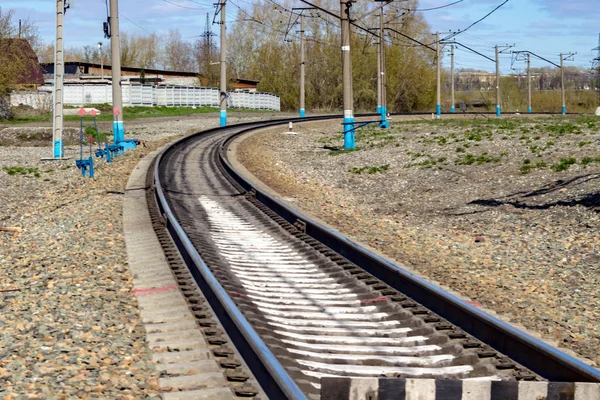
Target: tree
{"type": "Point", "coordinates": [12, 60]}
{"type": "Point", "coordinates": [177, 53]}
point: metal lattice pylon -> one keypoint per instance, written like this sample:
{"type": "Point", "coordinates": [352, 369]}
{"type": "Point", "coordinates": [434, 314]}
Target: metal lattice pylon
{"type": "Point", "coordinates": [596, 72]}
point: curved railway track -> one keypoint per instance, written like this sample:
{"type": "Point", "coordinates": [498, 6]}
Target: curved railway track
{"type": "Point", "coordinates": [301, 302]}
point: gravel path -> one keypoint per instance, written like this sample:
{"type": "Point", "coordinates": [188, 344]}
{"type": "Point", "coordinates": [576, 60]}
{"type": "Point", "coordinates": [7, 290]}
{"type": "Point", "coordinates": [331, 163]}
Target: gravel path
{"type": "Point", "coordinates": [69, 323]}
{"type": "Point", "coordinates": [472, 205]}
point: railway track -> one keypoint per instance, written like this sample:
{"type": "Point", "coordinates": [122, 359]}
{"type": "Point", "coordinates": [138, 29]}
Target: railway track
{"type": "Point", "coordinates": [301, 303]}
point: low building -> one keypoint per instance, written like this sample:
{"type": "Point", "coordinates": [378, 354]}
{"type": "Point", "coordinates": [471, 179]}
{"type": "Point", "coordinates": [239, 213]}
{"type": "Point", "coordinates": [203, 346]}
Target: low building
{"type": "Point", "coordinates": [97, 73]}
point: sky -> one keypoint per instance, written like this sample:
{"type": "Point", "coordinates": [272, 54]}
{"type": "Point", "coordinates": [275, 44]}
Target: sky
{"type": "Point", "coordinates": [544, 27]}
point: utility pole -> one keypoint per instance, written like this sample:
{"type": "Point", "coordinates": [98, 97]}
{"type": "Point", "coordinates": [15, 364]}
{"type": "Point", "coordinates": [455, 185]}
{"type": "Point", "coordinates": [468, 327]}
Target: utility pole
{"type": "Point", "coordinates": [379, 77]}
{"type": "Point", "coordinates": [101, 61]}
{"type": "Point", "coordinates": [438, 104]}
{"type": "Point", "coordinates": [117, 97]}
{"type": "Point", "coordinates": [499, 49]}
{"type": "Point", "coordinates": [223, 62]}
{"type": "Point", "coordinates": [302, 65]}
{"type": "Point", "coordinates": [452, 108]}
{"type": "Point", "coordinates": [383, 123]}
{"type": "Point", "coordinates": [347, 76]}
{"type": "Point", "coordinates": [59, 73]}
{"type": "Point", "coordinates": [498, 112]}
{"type": "Point", "coordinates": [529, 83]}
{"type": "Point", "coordinates": [563, 57]}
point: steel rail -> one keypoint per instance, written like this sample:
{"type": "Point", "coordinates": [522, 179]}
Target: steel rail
{"type": "Point", "coordinates": [543, 359]}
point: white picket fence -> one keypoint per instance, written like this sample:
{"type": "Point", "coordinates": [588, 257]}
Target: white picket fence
{"type": "Point", "coordinates": [147, 95]}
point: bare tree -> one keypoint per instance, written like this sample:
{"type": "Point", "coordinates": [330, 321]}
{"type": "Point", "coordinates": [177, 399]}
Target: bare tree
{"type": "Point", "coordinates": [177, 53]}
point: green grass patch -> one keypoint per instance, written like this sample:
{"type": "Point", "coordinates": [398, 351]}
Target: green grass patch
{"type": "Point", "coordinates": [129, 113]}
{"type": "Point", "coordinates": [338, 152]}
{"type": "Point", "coordinates": [22, 171]}
{"type": "Point", "coordinates": [470, 159]}
{"type": "Point", "coordinates": [369, 170]}
{"type": "Point", "coordinates": [590, 160]}
{"type": "Point", "coordinates": [564, 164]}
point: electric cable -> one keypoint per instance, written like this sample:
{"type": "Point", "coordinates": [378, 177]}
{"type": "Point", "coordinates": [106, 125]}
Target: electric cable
{"type": "Point", "coordinates": [476, 22]}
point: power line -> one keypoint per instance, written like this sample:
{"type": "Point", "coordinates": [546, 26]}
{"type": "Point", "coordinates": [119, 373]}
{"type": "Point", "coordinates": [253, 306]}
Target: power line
{"type": "Point", "coordinates": [476, 22]}
{"type": "Point", "coordinates": [433, 8]}
{"type": "Point", "coordinates": [180, 6]}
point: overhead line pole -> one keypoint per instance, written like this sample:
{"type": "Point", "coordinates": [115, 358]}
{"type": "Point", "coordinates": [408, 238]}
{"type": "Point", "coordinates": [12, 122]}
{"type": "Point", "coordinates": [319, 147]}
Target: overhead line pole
{"type": "Point", "coordinates": [497, 84]}
{"type": "Point", "coordinates": [347, 76]}
{"type": "Point", "coordinates": [117, 98]}
{"type": "Point", "coordinates": [379, 77]}
{"type": "Point", "coordinates": [438, 103]}
{"type": "Point", "coordinates": [383, 82]}
{"type": "Point", "coordinates": [59, 70]}
{"type": "Point", "coordinates": [452, 108]}
{"type": "Point", "coordinates": [302, 65]}
{"type": "Point", "coordinates": [529, 109]}
{"type": "Point", "coordinates": [223, 63]}
{"type": "Point", "coordinates": [499, 49]}
{"type": "Point", "coordinates": [563, 57]}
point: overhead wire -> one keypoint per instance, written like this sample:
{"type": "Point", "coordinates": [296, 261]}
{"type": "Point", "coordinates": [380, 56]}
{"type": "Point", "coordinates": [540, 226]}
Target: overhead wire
{"type": "Point", "coordinates": [476, 22]}
{"type": "Point", "coordinates": [188, 8]}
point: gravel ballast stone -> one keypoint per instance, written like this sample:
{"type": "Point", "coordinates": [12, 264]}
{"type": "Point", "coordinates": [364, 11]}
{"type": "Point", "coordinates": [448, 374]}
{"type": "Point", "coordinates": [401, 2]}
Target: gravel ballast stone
{"type": "Point", "coordinates": [69, 321]}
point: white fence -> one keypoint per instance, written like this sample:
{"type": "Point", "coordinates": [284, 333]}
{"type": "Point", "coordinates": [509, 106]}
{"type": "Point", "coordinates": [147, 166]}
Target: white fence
{"type": "Point", "coordinates": [147, 95]}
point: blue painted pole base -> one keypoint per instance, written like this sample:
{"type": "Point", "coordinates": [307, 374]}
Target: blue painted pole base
{"type": "Point", "coordinates": [349, 134]}
{"type": "Point", "coordinates": [384, 123]}
{"type": "Point", "coordinates": [118, 131]}
{"type": "Point", "coordinates": [498, 113]}
{"type": "Point", "coordinates": [378, 109]}
{"type": "Point", "coordinates": [223, 118]}
{"type": "Point", "coordinates": [438, 110]}
{"type": "Point", "coordinates": [529, 111]}
{"type": "Point", "coordinates": [58, 149]}
{"type": "Point", "coordinates": [302, 112]}
{"type": "Point", "coordinates": [452, 109]}
{"type": "Point", "coordinates": [564, 110]}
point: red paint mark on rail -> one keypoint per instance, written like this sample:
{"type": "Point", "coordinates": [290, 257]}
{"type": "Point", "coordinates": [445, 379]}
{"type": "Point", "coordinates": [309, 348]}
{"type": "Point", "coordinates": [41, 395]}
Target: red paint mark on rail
{"type": "Point", "coordinates": [375, 300]}
{"type": "Point", "coordinates": [141, 292]}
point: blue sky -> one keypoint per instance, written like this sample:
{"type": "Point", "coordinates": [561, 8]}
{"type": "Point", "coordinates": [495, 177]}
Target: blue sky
{"type": "Point", "coordinates": [545, 27]}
